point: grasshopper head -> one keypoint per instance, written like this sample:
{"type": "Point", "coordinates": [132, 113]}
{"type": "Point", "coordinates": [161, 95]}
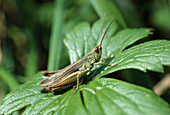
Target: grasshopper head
{"type": "Point", "coordinates": [97, 51]}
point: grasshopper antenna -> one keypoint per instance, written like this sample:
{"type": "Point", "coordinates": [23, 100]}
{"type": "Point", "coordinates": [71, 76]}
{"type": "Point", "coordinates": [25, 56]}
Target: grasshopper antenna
{"type": "Point", "coordinates": [101, 38]}
{"type": "Point", "coordinates": [102, 29]}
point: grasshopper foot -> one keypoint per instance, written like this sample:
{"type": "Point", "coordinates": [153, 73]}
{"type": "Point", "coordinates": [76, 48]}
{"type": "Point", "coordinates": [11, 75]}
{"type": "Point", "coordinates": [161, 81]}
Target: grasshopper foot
{"type": "Point", "coordinates": [43, 90]}
{"type": "Point", "coordinates": [45, 73]}
{"type": "Point", "coordinates": [114, 65]}
{"type": "Point", "coordinates": [76, 90]}
{"type": "Point", "coordinates": [75, 87]}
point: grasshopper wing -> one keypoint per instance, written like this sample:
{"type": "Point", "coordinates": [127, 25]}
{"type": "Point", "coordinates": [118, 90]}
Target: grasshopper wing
{"type": "Point", "coordinates": [54, 78]}
{"type": "Point", "coordinates": [51, 79]}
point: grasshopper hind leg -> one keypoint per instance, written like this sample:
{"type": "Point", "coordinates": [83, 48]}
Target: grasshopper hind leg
{"type": "Point", "coordinates": [45, 73]}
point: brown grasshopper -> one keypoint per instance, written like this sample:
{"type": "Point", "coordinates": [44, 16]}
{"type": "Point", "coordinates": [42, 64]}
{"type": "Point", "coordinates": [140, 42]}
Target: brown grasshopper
{"type": "Point", "coordinates": [62, 79]}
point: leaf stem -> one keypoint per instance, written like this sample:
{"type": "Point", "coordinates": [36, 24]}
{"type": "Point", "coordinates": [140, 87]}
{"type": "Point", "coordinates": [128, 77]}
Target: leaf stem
{"type": "Point", "coordinates": [8, 78]}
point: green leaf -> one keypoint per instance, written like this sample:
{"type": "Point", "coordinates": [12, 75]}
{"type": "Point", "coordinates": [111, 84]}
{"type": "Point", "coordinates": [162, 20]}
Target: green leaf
{"type": "Point", "coordinates": [151, 55]}
{"type": "Point", "coordinates": [107, 95]}
{"type": "Point", "coordinates": [116, 44]}
{"type": "Point", "coordinates": [103, 96]}
{"type": "Point", "coordinates": [82, 39]}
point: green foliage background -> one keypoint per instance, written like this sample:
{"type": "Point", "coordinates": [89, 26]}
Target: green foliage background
{"type": "Point", "coordinates": [31, 37]}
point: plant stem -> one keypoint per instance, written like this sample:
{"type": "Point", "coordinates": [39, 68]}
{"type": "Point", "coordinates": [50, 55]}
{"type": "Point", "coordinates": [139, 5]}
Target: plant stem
{"type": "Point", "coordinates": [56, 36]}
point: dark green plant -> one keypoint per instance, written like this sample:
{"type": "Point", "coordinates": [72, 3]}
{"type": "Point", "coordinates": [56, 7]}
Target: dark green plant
{"type": "Point", "coordinates": [100, 95]}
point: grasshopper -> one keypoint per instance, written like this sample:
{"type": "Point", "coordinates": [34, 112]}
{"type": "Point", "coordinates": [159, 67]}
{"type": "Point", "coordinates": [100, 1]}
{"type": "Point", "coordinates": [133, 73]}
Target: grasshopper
{"type": "Point", "coordinates": [64, 78]}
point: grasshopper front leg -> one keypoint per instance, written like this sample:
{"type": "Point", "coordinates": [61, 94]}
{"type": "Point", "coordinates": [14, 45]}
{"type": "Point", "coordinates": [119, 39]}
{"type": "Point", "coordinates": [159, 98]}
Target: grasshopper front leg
{"type": "Point", "coordinates": [102, 63]}
{"type": "Point", "coordinates": [107, 57]}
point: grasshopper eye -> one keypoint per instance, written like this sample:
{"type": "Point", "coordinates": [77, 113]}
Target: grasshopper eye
{"type": "Point", "coordinates": [96, 49]}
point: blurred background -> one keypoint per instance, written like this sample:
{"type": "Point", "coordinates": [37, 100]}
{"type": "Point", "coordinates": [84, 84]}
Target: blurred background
{"type": "Point", "coordinates": [31, 33]}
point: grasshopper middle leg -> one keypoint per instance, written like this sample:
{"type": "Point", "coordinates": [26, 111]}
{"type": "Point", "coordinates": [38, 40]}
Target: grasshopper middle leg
{"type": "Point", "coordinates": [79, 75]}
